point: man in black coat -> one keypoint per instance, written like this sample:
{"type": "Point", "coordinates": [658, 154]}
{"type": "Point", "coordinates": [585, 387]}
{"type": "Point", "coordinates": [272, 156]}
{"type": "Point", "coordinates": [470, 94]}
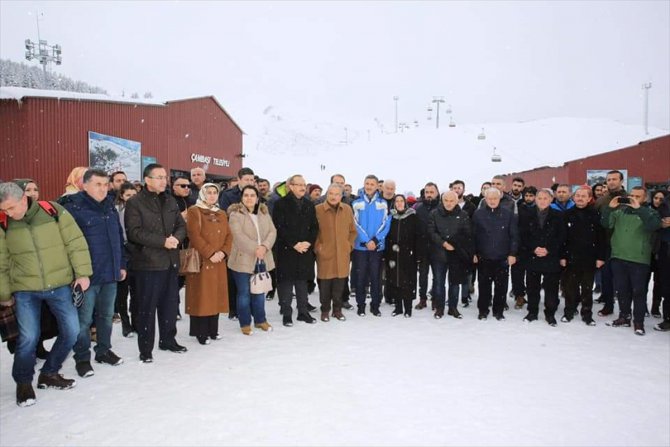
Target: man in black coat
{"type": "Point", "coordinates": [155, 229]}
{"type": "Point", "coordinates": [423, 246]}
{"type": "Point", "coordinates": [452, 250]}
{"type": "Point", "coordinates": [294, 218]}
{"type": "Point", "coordinates": [584, 253]}
{"type": "Point", "coordinates": [496, 244]}
{"type": "Point", "coordinates": [542, 246]}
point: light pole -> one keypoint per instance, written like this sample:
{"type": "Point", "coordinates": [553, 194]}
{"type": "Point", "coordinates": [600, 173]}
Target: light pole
{"type": "Point", "coordinates": [44, 52]}
{"type": "Point", "coordinates": [437, 100]}
{"type": "Point", "coordinates": [395, 98]}
{"type": "Point", "coordinates": [646, 86]}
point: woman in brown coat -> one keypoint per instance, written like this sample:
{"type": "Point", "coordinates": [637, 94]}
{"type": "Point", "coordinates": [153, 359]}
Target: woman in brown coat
{"type": "Point", "coordinates": [337, 233]}
{"type": "Point", "coordinates": [254, 234]}
{"type": "Point", "coordinates": [207, 291]}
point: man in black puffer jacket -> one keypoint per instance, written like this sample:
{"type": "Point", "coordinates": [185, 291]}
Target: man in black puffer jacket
{"type": "Point", "coordinates": [423, 245]}
{"type": "Point", "coordinates": [155, 229]}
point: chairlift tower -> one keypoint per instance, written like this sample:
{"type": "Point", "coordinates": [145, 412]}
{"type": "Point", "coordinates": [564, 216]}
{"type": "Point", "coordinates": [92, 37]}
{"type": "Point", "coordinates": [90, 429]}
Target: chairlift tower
{"type": "Point", "coordinates": [42, 51]}
{"type": "Point", "coordinates": [646, 86]}
{"type": "Point", "coordinates": [437, 100]}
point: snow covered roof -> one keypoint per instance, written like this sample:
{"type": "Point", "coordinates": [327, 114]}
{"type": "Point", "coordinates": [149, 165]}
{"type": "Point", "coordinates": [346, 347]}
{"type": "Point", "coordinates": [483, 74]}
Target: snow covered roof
{"type": "Point", "coordinates": [18, 93]}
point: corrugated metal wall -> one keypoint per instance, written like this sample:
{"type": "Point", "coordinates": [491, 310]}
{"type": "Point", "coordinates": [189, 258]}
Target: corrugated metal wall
{"type": "Point", "coordinates": [44, 138]}
{"type": "Point", "coordinates": [648, 159]}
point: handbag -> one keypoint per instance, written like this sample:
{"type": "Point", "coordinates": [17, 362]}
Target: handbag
{"type": "Point", "coordinates": [9, 327]}
{"type": "Point", "coordinates": [260, 281]}
{"type": "Point", "coordinates": [189, 261]}
{"type": "Point", "coordinates": [189, 258]}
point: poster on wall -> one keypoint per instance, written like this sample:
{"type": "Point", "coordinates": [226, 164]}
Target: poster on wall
{"type": "Point", "coordinates": [115, 154]}
{"type": "Point", "coordinates": [600, 175]}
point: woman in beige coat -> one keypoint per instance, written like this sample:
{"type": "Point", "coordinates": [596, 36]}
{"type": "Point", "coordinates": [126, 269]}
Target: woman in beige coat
{"type": "Point", "coordinates": [207, 291]}
{"type": "Point", "coordinates": [254, 235]}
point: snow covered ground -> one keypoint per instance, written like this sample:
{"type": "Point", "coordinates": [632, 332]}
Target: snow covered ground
{"type": "Point", "coordinates": [366, 381]}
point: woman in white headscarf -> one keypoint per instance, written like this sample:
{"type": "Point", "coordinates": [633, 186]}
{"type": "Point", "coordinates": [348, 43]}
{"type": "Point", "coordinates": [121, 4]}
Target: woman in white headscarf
{"type": "Point", "coordinates": [207, 291]}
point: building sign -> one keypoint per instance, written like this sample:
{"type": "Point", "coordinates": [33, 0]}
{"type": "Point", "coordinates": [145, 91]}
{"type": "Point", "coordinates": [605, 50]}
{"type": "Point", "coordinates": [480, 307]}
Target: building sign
{"type": "Point", "coordinates": [206, 159]}
{"type": "Point", "coordinates": [600, 175]}
{"type": "Point", "coordinates": [115, 154]}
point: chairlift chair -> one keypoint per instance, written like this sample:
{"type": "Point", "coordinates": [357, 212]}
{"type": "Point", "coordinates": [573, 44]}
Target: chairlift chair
{"type": "Point", "coordinates": [495, 157]}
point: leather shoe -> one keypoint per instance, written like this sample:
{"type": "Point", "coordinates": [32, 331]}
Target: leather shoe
{"type": "Point", "coordinates": [174, 347]}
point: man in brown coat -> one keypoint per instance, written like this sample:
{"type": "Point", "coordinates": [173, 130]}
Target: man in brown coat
{"type": "Point", "coordinates": [333, 246]}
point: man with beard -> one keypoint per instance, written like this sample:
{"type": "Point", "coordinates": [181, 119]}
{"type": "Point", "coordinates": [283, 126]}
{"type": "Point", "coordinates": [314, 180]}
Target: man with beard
{"type": "Point", "coordinates": [423, 209]}
{"type": "Point", "coordinates": [458, 186]}
{"type": "Point", "coordinates": [614, 182]}
{"type": "Point", "coordinates": [517, 188]}
{"type": "Point", "coordinates": [518, 270]}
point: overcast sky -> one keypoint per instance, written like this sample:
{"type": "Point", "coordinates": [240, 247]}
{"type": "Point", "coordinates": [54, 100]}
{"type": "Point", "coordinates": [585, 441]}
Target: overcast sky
{"type": "Point", "coordinates": [344, 61]}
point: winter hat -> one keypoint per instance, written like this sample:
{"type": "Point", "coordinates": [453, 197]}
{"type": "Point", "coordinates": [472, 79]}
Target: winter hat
{"type": "Point", "coordinates": [313, 187]}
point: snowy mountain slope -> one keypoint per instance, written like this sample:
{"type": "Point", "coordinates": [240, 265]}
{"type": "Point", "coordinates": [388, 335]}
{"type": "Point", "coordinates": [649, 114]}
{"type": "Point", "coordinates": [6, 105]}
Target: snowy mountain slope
{"type": "Point", "coordinates": [282, 147]}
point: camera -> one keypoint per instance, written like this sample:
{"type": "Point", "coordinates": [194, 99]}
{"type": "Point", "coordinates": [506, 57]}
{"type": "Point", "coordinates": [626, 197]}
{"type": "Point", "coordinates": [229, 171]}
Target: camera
{"type": "Point", "coordinates": [624, 200]}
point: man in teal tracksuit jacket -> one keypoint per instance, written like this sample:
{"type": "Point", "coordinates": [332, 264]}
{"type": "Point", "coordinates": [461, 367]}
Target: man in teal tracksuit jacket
{"type": "Point", "coordinates": [372, 225]}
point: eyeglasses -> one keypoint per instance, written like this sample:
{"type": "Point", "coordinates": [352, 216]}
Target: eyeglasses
{"type": "Point", "coordinates": [298, 184]}
{"type": "Point", "coordinates": [160, 177]}
{"type": "Point", "coordinates": [183, 186]}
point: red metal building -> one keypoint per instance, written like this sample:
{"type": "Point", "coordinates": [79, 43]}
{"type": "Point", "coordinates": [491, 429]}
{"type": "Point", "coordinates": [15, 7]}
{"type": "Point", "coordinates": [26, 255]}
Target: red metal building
{"type": "Point", "coordinates": [648, 160]}
{"type": "Point", "coordinates": [43, 136]}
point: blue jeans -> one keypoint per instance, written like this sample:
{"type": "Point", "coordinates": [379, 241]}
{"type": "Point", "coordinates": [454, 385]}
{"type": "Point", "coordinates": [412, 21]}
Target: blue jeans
{"type": "Point", "coordinates": [367, 265]}
{"type": "Point", "coordinates": [28, 311]}
{"type": "Point", "coordinates": [99, 299]}
{"type": "Point", "coordinates": [248, 303]}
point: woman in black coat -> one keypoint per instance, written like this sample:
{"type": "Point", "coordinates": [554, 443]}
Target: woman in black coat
{"type": "Point", "coordinates": [542, 235]}
{"type": "Point", "coordinates": [400, 257]}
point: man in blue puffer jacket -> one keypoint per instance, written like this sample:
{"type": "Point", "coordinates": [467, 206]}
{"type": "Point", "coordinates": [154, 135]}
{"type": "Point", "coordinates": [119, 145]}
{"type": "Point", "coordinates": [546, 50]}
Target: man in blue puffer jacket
{"type": "Point", "coordinates": [98, 219]}
{"type": "Point", "coordinates": [372, 225]}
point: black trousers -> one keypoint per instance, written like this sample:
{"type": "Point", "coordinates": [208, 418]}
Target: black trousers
{"type": "Point", "coordinates": [578, 283]}
{"type": "Point", "coordinates": [330, 293]}
{"type": "Point", "coordinates": [538, 280]}
{"type": "Point", "coordinates": [424, 267]}
{"type": "Point", "coordinates": [204, 326]}
{"type": "Point", "coordinates": [232, 295]}
{"type": "Point", "coordinates": [157, 292]}
{"type": "Point", "coordinates": [492, 273]}
{"type": "Point", "coordinates": [663, 265]}
{"type": "Point", "coordinates": [125, 311]}
{"type": "Point", "coordinates": [285, 291]}
{"type": "Point", "coordinates": [518, 272]}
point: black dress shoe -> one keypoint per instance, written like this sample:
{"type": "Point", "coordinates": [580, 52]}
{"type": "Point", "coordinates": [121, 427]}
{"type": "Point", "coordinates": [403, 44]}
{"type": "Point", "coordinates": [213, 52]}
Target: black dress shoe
{"type": "Point", "coordinates": [287, 321]}
{"type": "Point", "coordinates": [307, 318]}
{"type": "Point", "coordinates": [175, 347]}
{"type": "Point", "coordinates": [146, 358]}
{"type": "Point", "coordinates": [310, 307]}
{"type": "Point", "coordinates": [346, 305]}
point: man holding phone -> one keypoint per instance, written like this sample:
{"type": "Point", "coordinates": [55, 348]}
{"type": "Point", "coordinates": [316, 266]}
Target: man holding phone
{"type": "Point", "coordinates": [42, 252]}
{"type": "Point", "coordinates": [632, 228]}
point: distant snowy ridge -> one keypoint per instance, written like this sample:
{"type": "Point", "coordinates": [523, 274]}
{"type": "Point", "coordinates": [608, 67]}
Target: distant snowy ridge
{"type": "Point", "coordinates": [280, 147]}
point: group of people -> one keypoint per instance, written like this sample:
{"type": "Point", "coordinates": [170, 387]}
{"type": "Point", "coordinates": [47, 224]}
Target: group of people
{"type": "Point", "coordinates": [111, 242]}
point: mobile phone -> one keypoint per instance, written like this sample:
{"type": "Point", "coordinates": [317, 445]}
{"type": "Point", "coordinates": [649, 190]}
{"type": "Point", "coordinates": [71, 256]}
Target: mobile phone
{"type": "Point", "coordinates": [77, 295]}
{"type": "Point", "coordinates": [624, 200]}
